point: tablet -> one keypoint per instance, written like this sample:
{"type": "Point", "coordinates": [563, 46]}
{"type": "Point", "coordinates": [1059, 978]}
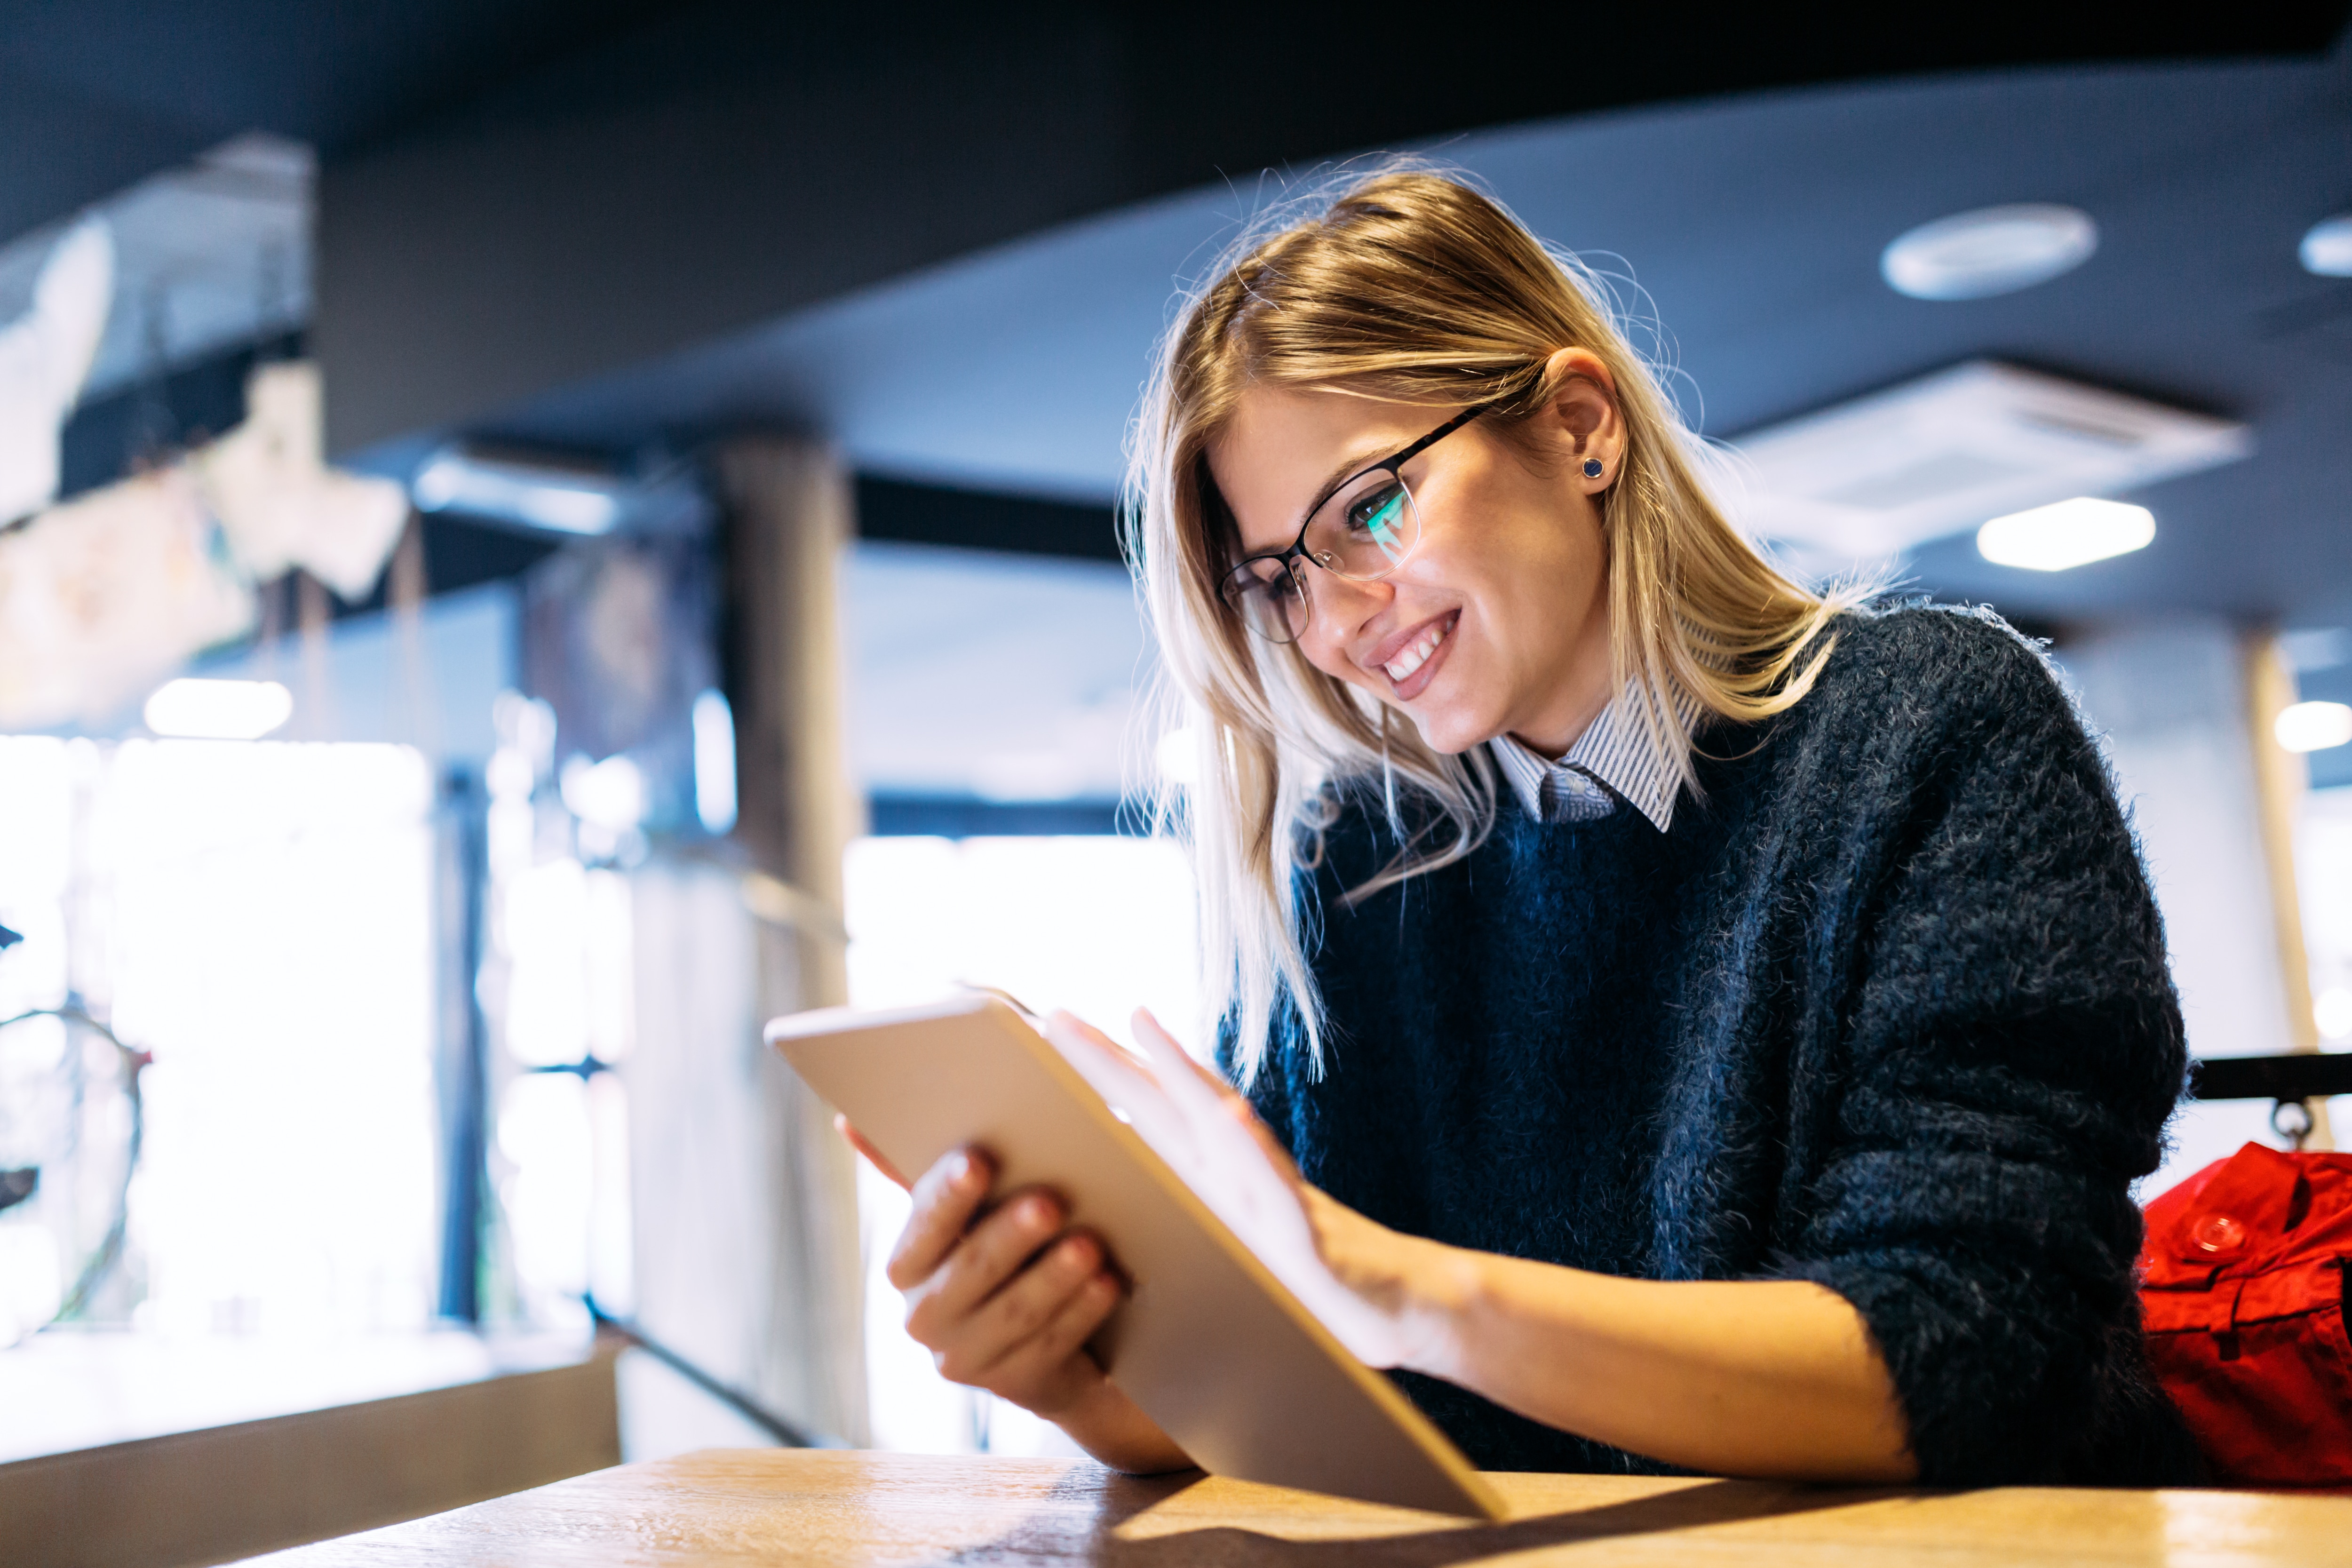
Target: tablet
{"type": "Point", "coordinates": [1208, 1343]}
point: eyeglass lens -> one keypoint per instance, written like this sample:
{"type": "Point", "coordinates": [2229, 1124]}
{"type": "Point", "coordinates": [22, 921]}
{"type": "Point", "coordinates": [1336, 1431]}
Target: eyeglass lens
{"type": "Point", "coordinates": [1364, 532]}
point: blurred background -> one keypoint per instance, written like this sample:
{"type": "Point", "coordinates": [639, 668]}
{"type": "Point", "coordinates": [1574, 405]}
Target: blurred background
{"type": "Point", "coordinates": [538, 536]}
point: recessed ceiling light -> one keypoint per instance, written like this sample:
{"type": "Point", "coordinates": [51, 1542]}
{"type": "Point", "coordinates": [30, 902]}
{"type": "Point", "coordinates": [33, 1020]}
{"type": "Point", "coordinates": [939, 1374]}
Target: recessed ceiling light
{"type": "Point", "coordinates": [1992, 250]}
{"type": "Point", "coordinates": [2327, 249]}
{"type": "Point", "coordinates": [218, 710]}
{"type": "Point", "coordinates": [2312, 726]}
{"type": "Point", "coordinates": [2065, 533]}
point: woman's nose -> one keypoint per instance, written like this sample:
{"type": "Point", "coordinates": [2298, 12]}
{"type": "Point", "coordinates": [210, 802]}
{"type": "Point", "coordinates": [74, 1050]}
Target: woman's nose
{"type": "Point", "coordinates": [1341, 605]}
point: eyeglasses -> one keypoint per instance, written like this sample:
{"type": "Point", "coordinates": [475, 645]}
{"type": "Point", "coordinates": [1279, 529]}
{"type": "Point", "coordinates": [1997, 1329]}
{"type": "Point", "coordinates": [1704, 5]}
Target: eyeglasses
{"type": "Point", "coordinates": [1363, 529]}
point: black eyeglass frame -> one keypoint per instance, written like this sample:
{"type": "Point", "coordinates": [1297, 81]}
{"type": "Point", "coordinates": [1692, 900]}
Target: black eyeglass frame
{"type": "Point", "coordinates": [1389, 465]}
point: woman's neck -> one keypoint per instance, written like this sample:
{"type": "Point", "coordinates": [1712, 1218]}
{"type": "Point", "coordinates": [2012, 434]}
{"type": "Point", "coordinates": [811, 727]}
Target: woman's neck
{"type": "Point", "coordinates": [1570, 705]}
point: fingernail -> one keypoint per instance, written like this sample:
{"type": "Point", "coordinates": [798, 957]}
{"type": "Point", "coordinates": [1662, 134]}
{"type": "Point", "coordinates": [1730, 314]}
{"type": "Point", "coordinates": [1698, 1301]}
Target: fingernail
{"type": "Point", "coordinates": [1040, 1211]}
{"type": "Point", "coordinates": [958, 1166]}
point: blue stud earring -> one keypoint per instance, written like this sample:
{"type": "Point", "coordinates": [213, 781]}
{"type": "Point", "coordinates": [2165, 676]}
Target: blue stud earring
{"type": "Point", "coordinates": [1591, 468]}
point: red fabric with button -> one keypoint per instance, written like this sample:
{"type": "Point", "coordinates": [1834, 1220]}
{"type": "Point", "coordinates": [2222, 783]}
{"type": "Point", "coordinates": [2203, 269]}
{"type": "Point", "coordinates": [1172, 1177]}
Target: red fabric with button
{"type": "Point", "coordinates": [2241, 1293]}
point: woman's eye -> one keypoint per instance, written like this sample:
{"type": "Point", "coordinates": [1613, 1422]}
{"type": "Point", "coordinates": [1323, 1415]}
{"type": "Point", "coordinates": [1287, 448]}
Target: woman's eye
{"type": "Point", "coordinates": [1374, 512]}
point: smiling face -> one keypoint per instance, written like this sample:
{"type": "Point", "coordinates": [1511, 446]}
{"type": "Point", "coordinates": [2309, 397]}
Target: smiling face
{"type": "Point", "coordinates": [1497, 623]}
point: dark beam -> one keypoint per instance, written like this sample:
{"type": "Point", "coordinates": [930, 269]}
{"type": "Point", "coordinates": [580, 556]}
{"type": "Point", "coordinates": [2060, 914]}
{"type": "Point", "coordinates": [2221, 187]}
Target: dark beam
{"type": "Point", "coordinates": [975, 519]}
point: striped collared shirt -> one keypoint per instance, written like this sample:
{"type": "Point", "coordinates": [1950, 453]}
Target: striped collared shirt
{"type": "Point", "coordinates": [1615, 759]}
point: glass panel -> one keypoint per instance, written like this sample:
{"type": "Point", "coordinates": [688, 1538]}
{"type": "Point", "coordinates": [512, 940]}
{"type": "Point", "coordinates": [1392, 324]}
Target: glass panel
{"type": "Point", "coordinates": [1098, 925]}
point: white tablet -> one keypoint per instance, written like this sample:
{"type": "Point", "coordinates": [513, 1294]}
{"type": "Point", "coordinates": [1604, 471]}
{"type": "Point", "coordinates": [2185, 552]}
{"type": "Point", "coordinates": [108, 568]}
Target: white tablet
{"type": "Point", "coordinates": [1210, 1343]}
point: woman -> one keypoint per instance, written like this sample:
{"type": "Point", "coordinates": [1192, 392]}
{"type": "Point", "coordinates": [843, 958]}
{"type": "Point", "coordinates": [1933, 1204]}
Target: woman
{"type": "Point", "coordinates": [1718, 1024]}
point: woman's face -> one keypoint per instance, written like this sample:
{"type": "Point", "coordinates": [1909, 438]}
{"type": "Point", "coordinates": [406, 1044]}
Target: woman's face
{"type": "Point", "coordinates": [1505, 597]}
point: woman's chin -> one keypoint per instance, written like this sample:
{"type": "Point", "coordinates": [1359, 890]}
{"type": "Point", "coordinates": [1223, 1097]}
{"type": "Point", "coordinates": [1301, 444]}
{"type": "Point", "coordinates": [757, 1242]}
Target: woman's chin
{"type": "Point", "coordinates": [1448, 733]}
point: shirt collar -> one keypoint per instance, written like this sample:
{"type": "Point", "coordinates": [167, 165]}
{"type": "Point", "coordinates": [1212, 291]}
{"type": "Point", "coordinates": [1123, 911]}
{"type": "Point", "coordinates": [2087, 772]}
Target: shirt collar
{"type": "Point", "coordinates": [1616, 750]}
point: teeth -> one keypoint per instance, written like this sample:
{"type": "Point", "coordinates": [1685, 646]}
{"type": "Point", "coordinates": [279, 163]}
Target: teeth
{"type": "Point", "coordinates": [1416, 655]}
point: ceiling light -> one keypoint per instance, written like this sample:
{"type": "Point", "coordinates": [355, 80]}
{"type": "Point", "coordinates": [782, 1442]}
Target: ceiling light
{"type": "Point", "coordinates": [560, 497]}
{"type": "Point", "coordinates": [2312, 726]}
{"type": "Point", "coordinates": [1992, 250]}
{"type": "Point", "coordinates": [2065, 533]}
{"type": "Point", "coordinates": [218, 710]}
{"type": "Point", "coordinates": [2327, 249]}
{"type": "Point", "coordinates": [1937, 456]}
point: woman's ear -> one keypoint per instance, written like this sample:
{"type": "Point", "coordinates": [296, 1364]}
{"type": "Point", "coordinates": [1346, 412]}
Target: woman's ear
{"type": "Point", "coordinates": [1584, 415]}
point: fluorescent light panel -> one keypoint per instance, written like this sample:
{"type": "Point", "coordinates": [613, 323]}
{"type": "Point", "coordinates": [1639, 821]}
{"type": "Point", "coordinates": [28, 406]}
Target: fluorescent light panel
{"type": "Point", "coordinates": [1939, 456]}
{"type": "Point", "coordinates": [547, 496]}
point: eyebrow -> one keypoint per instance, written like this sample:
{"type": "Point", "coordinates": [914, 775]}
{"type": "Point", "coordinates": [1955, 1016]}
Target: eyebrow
{"type": "Point", "coordinates": [1350, 470]}
{"type": "Point", "coordinates": [1403, 454]}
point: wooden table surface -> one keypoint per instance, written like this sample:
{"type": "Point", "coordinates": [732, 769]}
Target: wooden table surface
{"type": "Point", "coordinates": [770, 1506]}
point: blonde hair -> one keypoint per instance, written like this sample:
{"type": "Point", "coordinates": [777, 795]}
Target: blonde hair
{"type": "Point", "coordinates": [1406, 284]}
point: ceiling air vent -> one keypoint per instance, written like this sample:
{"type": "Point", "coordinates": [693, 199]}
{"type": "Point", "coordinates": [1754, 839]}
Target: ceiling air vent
{"type": "Point", "coordinates": [1941, 455]}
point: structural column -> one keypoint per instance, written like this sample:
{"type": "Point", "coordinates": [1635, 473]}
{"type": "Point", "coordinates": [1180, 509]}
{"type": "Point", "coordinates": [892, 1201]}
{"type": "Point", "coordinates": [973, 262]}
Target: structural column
{"type": "Point", "coordinates": [2281, 778]}
{"type": "Point", "coordinates": [788, 517]}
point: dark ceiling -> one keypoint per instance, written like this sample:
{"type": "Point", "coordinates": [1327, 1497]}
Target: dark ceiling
{"type": "Point", "coordinates": [1753, 226]}
{"type": "Point", "coordinates": [516, 193]}
{"type": "Point", "coordinates": [95, 94]}
{"type": "Point", "coordinates": [603, 222]}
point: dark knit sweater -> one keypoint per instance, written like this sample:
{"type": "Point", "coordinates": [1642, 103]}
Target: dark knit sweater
{"type": "Point", "coordinates": [1888, 1009]}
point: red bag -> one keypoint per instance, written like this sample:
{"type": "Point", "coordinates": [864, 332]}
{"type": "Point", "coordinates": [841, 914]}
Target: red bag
{"type": "Point", "coordinates": [2241, 1293]}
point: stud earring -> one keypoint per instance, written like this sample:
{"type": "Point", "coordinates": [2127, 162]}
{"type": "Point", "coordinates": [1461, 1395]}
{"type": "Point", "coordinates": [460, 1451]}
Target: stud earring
{"type": "Point", "coordinates": [1591, 468]}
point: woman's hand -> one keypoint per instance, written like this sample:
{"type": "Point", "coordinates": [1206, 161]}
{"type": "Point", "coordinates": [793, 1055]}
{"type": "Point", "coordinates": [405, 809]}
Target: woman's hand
{"type": "Point", "coordinates": [1739, 1377]}
{"type": "Point", "coordinates": [1411, 1284]}
{"type": "Point", "coordinates": [1006, 1300]}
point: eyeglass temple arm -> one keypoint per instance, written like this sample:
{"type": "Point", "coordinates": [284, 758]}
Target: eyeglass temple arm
{"type": "Point", "coordinates": [1443, 431]}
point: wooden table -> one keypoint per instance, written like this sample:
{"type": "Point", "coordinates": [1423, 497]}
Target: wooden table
{"type": "Point", "coordinates": [777, 1507]}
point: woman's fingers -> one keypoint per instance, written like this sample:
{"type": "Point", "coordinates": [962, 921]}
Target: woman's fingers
{"type": "Point", "coordinates": [1149, 1028]}
{"type": "Point", "coordinates": [1165, 1047]}
{"type": "Point", "coordinates": [1037, 1361]}
{"type": "Point", "coordinates": [1062, 1027]}
{"type": "Point", "coordinates": [945, 1198]}
{"type": "Point", "coordinates": [856, 1141]}
{"type": "Point", "coordinates": [990, 1253]}
{"type": "Point", "coordinates": [1007, 1322]}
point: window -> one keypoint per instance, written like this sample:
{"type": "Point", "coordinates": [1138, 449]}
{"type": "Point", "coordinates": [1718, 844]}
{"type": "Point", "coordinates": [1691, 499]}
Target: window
{"type": "Point", "coordinates": [1098, 925]}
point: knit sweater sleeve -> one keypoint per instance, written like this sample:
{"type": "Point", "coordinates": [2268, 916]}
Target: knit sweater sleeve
{"type": "Point", "coordinates": [2008, 1046]}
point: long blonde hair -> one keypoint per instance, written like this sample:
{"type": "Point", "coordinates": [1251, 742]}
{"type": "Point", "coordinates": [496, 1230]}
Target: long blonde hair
{"type": "Point", "coordinates": [1410, 285]}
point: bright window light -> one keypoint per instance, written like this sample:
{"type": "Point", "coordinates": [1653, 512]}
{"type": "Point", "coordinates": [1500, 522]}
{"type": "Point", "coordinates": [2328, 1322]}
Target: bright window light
{"type": "Point", "coordinates": [1098, 925]}
{"type": "Point", "coordinates": [2065, 533]}
{"type": "Point", "coordinates": [218, 710]}
{"type": "Point", "coordinates": [610, 793]}
{"type": "Point", "coordinates": [268, 914]}
{"type": "Point", "coordinates": [2333, 1011]}
{"type": "Point", "coordinates": [1179, 758]}
{"type": "Point", "coordinates": [714, 763]}
{"type": "Point", "coordinates": [2312, 726]}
